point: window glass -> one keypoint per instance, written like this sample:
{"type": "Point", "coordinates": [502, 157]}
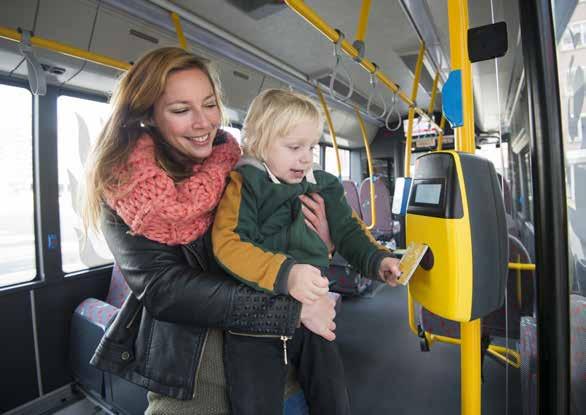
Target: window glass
{"type": "Point", "coordinates": [316, 155]}
{"type": "Point", "coordinates": [79, 123]}
{"type": "Point", "coordinates": [331, 165]}
{"type": "Point", "coordinates": [571, 74]}
{"type": "Point", "coordinates": [235, 132]}
{"type": "Point", "coordinates": [17, 232]}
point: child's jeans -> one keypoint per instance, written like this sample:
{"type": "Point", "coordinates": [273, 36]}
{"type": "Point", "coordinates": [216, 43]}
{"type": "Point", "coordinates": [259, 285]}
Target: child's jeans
{"type": "Point", "coordinates": [256, 373]}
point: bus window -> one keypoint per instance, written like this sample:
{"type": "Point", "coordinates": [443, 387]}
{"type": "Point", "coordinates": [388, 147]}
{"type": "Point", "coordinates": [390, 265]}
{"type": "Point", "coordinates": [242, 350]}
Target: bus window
{"type": "Point", "coordinates": [17, 233]}
{"type": "Point", "coordinates": [331, 163]}
{"type": "Point", "coordinates": [235, 132]}
{"type": "Point", "coordinates": [317, 155]}
{"type": "Point", "coordinates": [79, 123]}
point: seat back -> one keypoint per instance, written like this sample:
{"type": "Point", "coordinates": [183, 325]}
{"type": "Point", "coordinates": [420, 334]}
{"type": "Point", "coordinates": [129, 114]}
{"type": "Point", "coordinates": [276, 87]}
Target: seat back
{"type": "Point", "coordinates": [351, 193]}
{"type": "Point", "coordinates": [519, 300]}
{"type": "Point", "coordinates": [119, 289]}
{"type": "Point", "coordinates": [383, 201]}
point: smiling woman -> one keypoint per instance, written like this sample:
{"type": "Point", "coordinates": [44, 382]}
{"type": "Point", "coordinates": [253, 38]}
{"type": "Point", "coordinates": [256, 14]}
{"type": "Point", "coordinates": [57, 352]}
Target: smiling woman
{"type": "Point", "coordinates": [187, 114]}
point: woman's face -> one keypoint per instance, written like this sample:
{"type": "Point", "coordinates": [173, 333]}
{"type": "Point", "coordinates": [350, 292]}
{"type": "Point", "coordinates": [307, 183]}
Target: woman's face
{"type": "Point", "coordinates": [187, 114]}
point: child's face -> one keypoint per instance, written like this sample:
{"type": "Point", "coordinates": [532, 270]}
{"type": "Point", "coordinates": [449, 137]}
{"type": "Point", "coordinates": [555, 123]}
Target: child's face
{"type": "Point", "coordinates": [290, 157]}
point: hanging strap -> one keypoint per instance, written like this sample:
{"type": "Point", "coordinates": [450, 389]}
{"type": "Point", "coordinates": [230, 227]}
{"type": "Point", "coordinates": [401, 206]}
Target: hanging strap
{"type": "Point", "coordinates": [36, 76]}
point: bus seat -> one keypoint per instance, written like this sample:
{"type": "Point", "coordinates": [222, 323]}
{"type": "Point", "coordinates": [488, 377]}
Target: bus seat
{"type": "Point", "coordinates": [351, 193]}
{"type": "Point", "coordinates": [528, 351]}
{"type": "Point", "coordinates": [90, 321]}
{"type": "Point", "coordinates": [344, 279]}
{"type": "Point", "coordinates": [383, 229]}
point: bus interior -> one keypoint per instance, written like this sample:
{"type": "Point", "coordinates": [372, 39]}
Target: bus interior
{"type": "Point", "coordinates": [59, 64]}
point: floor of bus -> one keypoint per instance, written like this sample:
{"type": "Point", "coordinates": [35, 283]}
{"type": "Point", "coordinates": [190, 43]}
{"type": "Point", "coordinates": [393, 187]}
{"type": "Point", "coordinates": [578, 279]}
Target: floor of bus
{"type": "Point", "coordinates": [387, 372]}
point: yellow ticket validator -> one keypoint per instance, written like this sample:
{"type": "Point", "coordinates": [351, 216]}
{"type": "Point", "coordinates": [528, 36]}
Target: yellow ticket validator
{"type": "Point", "coordinates": [456, 209]}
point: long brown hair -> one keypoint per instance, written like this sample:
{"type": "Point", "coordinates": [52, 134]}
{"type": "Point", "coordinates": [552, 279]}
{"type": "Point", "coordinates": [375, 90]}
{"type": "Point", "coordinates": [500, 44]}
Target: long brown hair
{"type": "Point", "coordinates": [132, 109]}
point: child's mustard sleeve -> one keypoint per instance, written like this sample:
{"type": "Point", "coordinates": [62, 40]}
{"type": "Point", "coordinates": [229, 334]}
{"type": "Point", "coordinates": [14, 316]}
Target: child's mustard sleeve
{"type": "Point", "coordinates": [236, 241]}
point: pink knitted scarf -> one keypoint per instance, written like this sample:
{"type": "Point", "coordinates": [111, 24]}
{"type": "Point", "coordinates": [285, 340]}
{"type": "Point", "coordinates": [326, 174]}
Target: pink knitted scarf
{"type": "Point", "coordinates": [154, 206]}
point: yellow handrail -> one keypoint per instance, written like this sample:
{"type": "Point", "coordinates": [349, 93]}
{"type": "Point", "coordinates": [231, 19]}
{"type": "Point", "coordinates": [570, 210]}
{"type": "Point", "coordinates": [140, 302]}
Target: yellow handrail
{"type": "Point", "coordinates": [369, 160]}
{"type": "Point", "coordinates": [521, 267]}
{"type": "Point", "coordinates": [502, 353]}
{"type": "Point", "coordinates": [433, 94]}
{"type": "Point", "coordinates": [331, 128]}
{"type": "Point", "coordinates": [316, 21]}
{"type": "Point", "coordinates": [440, 137]}
{"type": "Point", "coordinates": [409, 138]}
{"type": "Point", "coordinates": [179, 30]}
{"type": "Point", "coordinates": [68, 50]}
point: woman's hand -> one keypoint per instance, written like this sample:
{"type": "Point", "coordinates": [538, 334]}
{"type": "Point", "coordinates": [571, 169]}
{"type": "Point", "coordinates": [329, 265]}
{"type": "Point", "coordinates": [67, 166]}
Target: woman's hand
{"type": "Point", "coordinates": [319, 317]}
{"type": "Point", "coordinates": [314, 211]}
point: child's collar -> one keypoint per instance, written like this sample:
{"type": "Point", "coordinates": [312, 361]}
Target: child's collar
{"type": "Point", "coordinates": [252, 161]}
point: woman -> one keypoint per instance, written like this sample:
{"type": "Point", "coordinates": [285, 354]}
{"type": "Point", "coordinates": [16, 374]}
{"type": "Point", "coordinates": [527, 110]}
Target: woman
{"type": "Point", "coordinates": [157, 173]}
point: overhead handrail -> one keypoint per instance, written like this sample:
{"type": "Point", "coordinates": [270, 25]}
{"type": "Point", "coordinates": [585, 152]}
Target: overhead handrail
{"type": "Point", "coordinates": [179, 30]}
{"type": "Point", "coordinates": [375, 93]}
{"type": "Point", "coordinates": [340, 68]}
{"type": "Point", "coordinates": [68, 50]}
{"type": "Point", "coordinates": [331, 128]}
{"type": "Point", "coordinates": [316, 21]}
{"type": "Point", "coordinates": [391, 110]}
{"type": "Point", "coordinates": [370, 172]}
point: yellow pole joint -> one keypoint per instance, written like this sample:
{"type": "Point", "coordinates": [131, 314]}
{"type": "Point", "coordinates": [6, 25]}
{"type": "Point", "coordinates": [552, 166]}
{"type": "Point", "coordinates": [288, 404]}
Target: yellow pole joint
{"type": "Point", "coordinates": [363, 21]}
{"type": "Point", "coordinates": [331, 128]}
{"type": "Point", "coordinates": [179, 30]}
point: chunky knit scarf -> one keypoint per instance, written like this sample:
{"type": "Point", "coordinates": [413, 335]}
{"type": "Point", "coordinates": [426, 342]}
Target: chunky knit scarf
{"type": "Point", "coordinates": [154, 206]}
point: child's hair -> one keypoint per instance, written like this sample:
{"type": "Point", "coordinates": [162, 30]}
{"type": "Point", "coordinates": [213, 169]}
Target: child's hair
{"type": "Point", "coordinates": [272, 114]}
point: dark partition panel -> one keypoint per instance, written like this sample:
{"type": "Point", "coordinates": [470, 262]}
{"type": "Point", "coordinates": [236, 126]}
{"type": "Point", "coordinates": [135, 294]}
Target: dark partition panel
{"type": "Point", "coordinates": [18, 374]}
{"type": "Point", "coordinates": [55, 304]}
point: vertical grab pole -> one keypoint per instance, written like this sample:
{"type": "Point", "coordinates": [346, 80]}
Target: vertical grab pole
{"type": "Point", "coordinates": [440, 137]}
{"type": "Point", "coordinates": [412, 110]}
{"type": "Point", "coordinates": [363, 21]}
{"type": "Point", "coordinates": [369, 160]}
{"type": "Point", "coordinates": [433, 94]}
{"type": "Point", "coordinates": [331, 128]}
{"type": "Point", "coordinates": [179, 30]}
{"type": "Point", "coordinates": [408, 143]}
{"type": "Point", "coordinates": [470, 331]}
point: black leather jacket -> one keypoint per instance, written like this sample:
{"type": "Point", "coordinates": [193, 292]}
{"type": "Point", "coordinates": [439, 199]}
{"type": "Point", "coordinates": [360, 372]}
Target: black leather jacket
{"type": "Point", "coordinates": [178, 292]}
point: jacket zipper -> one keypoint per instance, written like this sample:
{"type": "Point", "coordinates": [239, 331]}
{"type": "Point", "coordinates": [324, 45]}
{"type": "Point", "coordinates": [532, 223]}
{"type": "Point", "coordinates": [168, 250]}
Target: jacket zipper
{"type": "Point", "coordinates": [205, 340]}
{"type": "Point", "coordinates": [284, 339]}
{"type": "Point", "coordinates": [131, 322]}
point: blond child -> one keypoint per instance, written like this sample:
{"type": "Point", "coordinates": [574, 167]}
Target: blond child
{"type": "Point", "coordinates": [260, 237]}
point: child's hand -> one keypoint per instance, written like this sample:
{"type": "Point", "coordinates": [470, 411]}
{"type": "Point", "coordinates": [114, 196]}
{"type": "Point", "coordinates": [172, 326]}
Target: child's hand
{"type": "Point", "coordinates": [389, 271]}
{"type": "Point", "coordinates": [306, 284]}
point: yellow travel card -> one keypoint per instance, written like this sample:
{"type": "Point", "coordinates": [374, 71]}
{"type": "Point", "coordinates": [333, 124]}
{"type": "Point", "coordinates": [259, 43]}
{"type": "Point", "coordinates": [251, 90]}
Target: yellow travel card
{"type": "Point", "coordinates": [410, 261]}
